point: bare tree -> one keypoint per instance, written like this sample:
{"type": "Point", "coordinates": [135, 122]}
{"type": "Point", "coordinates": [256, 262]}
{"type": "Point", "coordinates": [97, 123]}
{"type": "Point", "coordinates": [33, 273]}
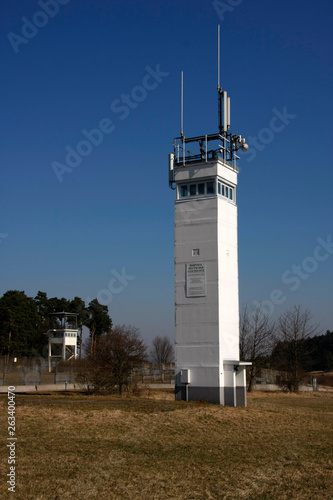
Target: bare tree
{"type": "Point", "coordinates": [256, 333]}
{"type": "Point", "coordinates": [294, 327]}
{"type": "Point", "coordinates": [116, 354]}
{"type": "Point", "coordinates": [162, 350]}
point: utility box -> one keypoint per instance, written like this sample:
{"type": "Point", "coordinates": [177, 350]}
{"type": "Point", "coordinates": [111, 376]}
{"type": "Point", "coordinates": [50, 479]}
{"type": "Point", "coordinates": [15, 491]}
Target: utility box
{"type": "Point", "coordinates": [185, 377]}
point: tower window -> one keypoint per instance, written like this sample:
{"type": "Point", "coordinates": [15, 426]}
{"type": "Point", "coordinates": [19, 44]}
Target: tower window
{"type": "Point", "coordinates": [210, 187]}
{"type": "Point", "coordinates": [225, 190]}
{"type": "Point", "coordinates": [183, 190]}
{"type": "Point", "coordinates": [205, 188]}
{"type": "Point", "coordinates": [193, 189]}
{"type": "Point", "coordinates": [201, 188]}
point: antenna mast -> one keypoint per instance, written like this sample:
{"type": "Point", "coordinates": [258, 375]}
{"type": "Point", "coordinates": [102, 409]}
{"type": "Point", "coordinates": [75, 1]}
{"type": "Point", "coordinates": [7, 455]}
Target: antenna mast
{"type": "Point", "coordinates": [218, 80]}
{"type": "Point", "coordinates": [218, 57]}
{"type": "Point", "coordinates": [182, 106]}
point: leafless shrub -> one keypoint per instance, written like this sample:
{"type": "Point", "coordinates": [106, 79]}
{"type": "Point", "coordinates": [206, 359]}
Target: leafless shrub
{"type": "Point", "coordinates": [116, 354]}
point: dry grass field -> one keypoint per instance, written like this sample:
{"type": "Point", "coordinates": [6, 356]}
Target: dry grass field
{"type": "Point", "coordinates": [73, 446]}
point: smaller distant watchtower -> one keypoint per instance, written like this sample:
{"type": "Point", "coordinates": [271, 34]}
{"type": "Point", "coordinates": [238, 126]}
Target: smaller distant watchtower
{"type": "Point", "coordinates": [63, 337]}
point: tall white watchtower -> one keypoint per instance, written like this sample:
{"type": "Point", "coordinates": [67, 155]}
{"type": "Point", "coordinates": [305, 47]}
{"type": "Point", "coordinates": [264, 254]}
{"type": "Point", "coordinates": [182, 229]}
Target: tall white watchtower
{"type": "Point", "coordinates": [203, 171]}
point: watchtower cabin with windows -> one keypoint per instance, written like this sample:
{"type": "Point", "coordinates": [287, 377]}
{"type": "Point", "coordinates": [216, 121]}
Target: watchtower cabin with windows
{"type": "Point", "coordinates": [203, 172]}
{"type": "Point", "coordinates": [63, 337]}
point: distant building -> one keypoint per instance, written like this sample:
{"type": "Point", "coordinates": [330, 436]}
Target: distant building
{"type": "Point", "coordinates": [63, 337]}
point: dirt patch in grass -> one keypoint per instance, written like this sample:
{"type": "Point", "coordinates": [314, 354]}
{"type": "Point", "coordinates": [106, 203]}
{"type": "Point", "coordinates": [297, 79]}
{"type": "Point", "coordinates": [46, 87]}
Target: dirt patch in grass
{"type": "Point", "coordinates": [76, 446]}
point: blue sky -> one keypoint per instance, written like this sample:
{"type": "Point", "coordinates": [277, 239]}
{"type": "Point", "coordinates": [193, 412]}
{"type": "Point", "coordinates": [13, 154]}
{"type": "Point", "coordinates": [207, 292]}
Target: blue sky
{"type": "Point", "coordinates": [112, 214]}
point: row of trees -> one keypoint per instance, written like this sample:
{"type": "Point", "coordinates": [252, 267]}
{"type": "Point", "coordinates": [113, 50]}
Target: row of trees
{"type": "Point", "coordinates": [111, 354]}
{"type": "Point", "coordinates": [291, 344]}
{"type": "Point", "coordinates": [24, 320]}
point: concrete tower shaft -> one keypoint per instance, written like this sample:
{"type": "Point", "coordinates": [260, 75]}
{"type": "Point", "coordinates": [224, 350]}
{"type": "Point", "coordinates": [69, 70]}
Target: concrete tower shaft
{"type": "Point", "coordinates": [206, 281]}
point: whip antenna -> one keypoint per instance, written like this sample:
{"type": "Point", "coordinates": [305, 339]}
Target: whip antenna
{"type": "Point", "coordinates": [182, 105]}
{"type": "Point", "coordinates": [218, 57]}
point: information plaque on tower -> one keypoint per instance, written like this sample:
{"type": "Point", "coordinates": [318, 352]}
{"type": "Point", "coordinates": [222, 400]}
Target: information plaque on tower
{"type": "Point", "coordinates": [196, 280]}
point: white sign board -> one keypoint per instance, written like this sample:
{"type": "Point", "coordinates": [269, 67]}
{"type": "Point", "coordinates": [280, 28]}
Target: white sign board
{"type": "Point", "coordinates": [195, 280]}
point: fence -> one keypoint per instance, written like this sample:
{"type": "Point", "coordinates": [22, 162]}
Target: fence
{"type": "Point", "coordinates": [35, 371]}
